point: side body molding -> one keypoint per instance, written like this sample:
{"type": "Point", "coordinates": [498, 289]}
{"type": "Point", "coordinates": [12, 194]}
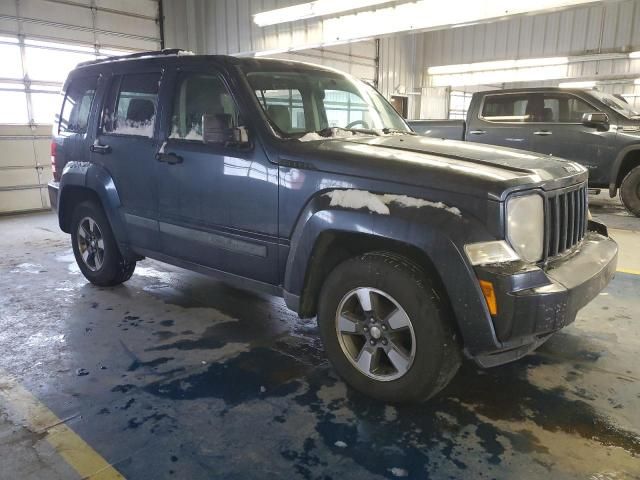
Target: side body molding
{"type": "Point", "coordinates": [427, 229]}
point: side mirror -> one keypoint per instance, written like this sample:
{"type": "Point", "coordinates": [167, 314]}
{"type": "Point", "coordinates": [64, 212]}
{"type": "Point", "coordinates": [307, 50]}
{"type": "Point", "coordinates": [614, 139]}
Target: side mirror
{"type": "Point", "coordinates": [597, 120]}
{"type": "Point", "coordinates": [218, 129]}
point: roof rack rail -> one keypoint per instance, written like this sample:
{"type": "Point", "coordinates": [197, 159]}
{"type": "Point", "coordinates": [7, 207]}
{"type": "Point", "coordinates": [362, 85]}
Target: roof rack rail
{"type": "Point", "coordinates": [153, 53]}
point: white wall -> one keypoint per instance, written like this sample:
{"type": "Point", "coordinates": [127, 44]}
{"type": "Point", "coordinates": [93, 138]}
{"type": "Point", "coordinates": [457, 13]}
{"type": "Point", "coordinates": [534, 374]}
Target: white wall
{"type": "Point", "coordinates": [604, 29]}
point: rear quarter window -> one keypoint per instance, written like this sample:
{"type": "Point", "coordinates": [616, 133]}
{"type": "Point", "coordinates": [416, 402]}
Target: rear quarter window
{"type": "Point", "coordinates": [77, 105]}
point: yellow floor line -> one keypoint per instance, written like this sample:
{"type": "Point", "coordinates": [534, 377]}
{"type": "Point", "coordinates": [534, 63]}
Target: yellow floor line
{"type": "Point", "coordinates": [629, 271]}
{"type": "Point", "coordinates": [75, 451]}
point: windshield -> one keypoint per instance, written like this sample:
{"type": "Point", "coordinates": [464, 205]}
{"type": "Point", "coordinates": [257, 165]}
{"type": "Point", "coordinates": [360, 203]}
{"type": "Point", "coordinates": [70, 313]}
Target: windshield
{"type": "Point", "coordinates": [303, 102]}
{"type": "Point", "coordinates": [615, 103]}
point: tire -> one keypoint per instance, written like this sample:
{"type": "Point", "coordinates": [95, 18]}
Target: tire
{"type": "Point", "coordinates": [630, 191]}
{"type": "Point", "coordinates": [399, 291]}
{"type": "Point", "coordinates": [104, 269]}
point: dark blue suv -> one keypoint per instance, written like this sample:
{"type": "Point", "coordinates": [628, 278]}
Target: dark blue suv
{"type": "Point", "coordinates": [304, 182]}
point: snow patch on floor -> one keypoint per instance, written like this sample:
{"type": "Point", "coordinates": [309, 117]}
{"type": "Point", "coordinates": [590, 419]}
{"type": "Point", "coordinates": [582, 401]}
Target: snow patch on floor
{"type": "Point", "coordinates": [357, 199]}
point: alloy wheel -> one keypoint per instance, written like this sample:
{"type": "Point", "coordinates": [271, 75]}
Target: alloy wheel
{"type": "Point", "coordinates": [90, 243]}
{"type": "Point", "coordinates": [375, 334]}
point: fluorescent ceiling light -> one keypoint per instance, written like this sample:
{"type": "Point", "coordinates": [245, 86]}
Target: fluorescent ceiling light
{"type": "Point", "coordinates": [634, 54]}
{"type": "Point", "coordinates": [389, 18]}
{"type": "Point", "coordinates": [502, 71]}
{"type": "Point", "coordinates": [493, 77]}
{"type": "Point", "coordinates": [497, 65]}
{"type": "Point", "coordinates": [588, 84]}
{"type": "Point", "coordinates": [311, 10]}
{"type": "Point", "coordinates": [637, 81]}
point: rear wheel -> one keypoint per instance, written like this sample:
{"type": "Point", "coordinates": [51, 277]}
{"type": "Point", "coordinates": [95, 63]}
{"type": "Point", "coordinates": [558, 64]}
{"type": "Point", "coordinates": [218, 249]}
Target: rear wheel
{"type": "Point", "coordinates": [95, 247]}
{"type": "Point", "coordinates": [630, 191]}
{"type": "Point", "coordinates": [385, 329]}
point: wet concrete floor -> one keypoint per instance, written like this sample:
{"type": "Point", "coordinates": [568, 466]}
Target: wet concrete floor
{"type": "Point", "coordinates": [175, 375]}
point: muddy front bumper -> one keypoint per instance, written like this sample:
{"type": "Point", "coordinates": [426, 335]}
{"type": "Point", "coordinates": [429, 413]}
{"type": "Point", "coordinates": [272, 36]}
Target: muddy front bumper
{"type": "Point", "coordinates": [534, 302]}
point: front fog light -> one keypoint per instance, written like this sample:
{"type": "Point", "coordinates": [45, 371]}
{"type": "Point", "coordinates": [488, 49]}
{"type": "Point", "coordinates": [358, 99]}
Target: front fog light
{"type": "Point", "coordinates": [490, 252]}
{"type": "Point", "coordinates": [525, 226]}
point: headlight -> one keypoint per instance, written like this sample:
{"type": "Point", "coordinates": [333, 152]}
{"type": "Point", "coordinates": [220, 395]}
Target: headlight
{"type": "Point", "coordinates": [525, 226]}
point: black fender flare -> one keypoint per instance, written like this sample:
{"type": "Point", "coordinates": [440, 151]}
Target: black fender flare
{"type": "Point", "coordinates": [617, 164]}
{"type": "Point", "coordinates": [97, 179]}
{"type": "Point", "coordinates": [431, 233]}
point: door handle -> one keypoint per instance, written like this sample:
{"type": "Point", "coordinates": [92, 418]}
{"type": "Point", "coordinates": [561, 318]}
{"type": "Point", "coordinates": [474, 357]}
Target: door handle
{"type": "Point", "coordinates": [170, 158]}
{"type": "Point", "coordinates": [101, 149]}
{"type": "Point", "coordinates": [477, 132]}
{"type": "Point", "coordinates": [543, 133]}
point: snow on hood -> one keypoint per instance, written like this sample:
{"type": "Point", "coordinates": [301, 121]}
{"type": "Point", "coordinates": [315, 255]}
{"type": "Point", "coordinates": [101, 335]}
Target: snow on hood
{"type": "Point", "coordinates": [357, 199]}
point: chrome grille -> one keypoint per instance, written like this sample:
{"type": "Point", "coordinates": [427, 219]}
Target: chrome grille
{"type": "Point", "coordinates": [566, 219]}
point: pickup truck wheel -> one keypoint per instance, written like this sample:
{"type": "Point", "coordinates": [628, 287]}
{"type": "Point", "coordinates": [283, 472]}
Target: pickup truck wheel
{"type": "Point", "coordinates": [630, 191]}
{"type": "Point", "coordinates": [385, 330]}
{"type": "Point", "coordinates": [95, 247]}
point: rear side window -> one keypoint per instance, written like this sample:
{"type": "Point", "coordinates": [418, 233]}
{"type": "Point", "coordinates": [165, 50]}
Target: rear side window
{"type": "Point", "coordinates": [507, 108]}
{"type": "Point", "coordinates": [77, 105]}
{"type": "Point", "coordinates": [136, 102]}
{"type": "Point", "coordinates": [198, 95]}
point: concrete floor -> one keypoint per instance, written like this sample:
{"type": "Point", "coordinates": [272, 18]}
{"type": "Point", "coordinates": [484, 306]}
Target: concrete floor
{"type": "Point", "coordinates": [174, 375]}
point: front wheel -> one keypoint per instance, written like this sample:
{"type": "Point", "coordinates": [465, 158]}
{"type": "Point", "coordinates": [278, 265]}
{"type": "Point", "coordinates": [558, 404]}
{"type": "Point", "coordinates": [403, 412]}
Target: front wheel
{"type": "Point", "coordinates": [385, 329]}
{"type": "Point", "coordinates": [630, 191]}
{"type": "Point", "coordinates": [95, 247]}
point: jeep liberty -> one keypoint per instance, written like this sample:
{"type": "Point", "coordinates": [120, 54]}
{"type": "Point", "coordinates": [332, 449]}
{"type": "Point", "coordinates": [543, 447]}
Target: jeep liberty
{"type": "Point", "coordinates": [303, 182]}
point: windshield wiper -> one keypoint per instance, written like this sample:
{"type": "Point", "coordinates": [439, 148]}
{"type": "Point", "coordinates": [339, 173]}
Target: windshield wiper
{"type": "Point", "coordinates": [331, 131]}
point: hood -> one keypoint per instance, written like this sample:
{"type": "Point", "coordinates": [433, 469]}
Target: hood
{"type": "Point", "coordinates": [475, 169]}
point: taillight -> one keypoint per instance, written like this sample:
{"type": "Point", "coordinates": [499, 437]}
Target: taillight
{"type": "Point", "coordinates": [56, 175]}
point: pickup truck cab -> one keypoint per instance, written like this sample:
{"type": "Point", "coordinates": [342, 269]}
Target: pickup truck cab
{"type": "Point", "coordinates": [303, 182]}
{"type": "Point", "coordinates": [595, 129]}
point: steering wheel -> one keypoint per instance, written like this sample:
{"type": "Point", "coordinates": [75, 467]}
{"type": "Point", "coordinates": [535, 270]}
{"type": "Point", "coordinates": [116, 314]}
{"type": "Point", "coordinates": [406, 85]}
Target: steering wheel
{"type": "Point", "coordinates": [356, 122]}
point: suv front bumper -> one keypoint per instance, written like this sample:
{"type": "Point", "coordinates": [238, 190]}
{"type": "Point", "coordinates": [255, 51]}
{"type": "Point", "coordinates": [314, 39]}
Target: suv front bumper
{"type": "Point", "coordinates": [534, 302]}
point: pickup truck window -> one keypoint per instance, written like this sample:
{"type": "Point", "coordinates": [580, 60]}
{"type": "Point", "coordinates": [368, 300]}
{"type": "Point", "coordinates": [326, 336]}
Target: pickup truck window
{"type": "Point", "coordinates": [622, 107]}
{"type": "Point", "coordinates": [507, 108]}
{"type": "Point", "coordinates": [197, 95]}
{"type": "Point", "coordinates": [564, 108]}
{"type": "Point", "coordinates": [320, 100]}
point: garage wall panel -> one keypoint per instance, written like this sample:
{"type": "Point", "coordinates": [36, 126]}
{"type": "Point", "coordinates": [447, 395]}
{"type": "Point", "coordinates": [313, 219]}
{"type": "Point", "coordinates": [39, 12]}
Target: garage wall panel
{"type": "Point", "coordinates": [25, 167]}
{"type": "Point", "coordinates": [569, 32]}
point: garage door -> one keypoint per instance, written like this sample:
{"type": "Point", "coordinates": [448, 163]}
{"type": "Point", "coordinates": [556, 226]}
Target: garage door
{"type": "Point", "coordinates": [40, 41]}
{"type": "Point", "coordinates": [25, 167]}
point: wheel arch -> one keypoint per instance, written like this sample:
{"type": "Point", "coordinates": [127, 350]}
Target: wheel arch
{"type": "Point", "coordinates": [83, 181]}
{"type": "Point", "coordinates": [326, 237]}
{"type": "Point", "coordinates": [626, 160]}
